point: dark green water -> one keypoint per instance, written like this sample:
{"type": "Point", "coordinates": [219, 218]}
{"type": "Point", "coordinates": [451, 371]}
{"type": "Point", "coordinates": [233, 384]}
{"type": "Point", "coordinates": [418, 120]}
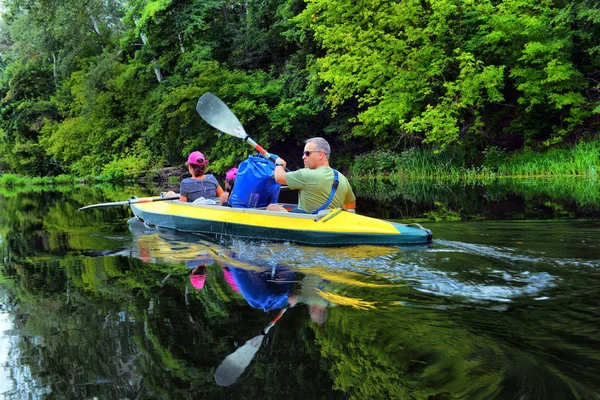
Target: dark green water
{"type": "Point", "coordinates": [505, 303]}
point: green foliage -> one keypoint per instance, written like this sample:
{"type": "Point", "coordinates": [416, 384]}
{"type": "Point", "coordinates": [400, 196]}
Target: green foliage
{"type": "Point", "coordinates": [376, 162]}
{"type": "Point", "coordinates": [436, 70]}
{"type": "Point", "coordinates": [10, 180]}
{"type": "Point", "coordinates": [583, 159]}
{"type": "Point", "coordinates": [413, 163]}
{"type": "Point", "coordinates": [127, 167]}
{"type": "Point", "coordinates": [16, 180]}
{"type": "Point", "coordinates": [80, 94]}
{"type": "Point", "coordinates": [63, 179]}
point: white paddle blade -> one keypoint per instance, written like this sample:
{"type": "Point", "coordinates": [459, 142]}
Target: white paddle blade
{"type": "Point", "coordinates": [235, 364]}
{"type": "Point", "coordinates": [219, 116]}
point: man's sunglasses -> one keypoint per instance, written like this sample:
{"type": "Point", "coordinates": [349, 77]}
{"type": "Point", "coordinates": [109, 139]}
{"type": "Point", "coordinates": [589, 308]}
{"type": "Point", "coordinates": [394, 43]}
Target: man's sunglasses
{"type": "Point", "coordinates": [307, 152]}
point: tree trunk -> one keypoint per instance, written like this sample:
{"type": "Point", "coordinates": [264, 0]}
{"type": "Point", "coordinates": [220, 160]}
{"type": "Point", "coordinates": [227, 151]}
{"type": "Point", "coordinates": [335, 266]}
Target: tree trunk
{"type": "Point", "coordinates": [181, 47]}
{"type": "Point", "coordinates": [154, 62]}
{"type": "Point", "coordinates": [55, 69]}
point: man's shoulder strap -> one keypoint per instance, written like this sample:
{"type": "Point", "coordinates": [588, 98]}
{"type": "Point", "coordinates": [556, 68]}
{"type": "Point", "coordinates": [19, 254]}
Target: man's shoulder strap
{"type": "Point", "coordinates": [334, 186]}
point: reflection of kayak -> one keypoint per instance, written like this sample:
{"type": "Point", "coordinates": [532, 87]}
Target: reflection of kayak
{"type": "Point", "coordinates": [333, 227]}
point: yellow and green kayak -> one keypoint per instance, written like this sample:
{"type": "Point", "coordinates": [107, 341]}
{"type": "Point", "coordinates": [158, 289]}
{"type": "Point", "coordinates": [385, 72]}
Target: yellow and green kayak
{"type": "Point", "coordinates": [330, 227]}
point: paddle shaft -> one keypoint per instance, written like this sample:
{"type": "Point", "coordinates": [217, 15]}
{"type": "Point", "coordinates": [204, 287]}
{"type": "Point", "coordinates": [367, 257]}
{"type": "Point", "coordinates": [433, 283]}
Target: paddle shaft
{"type": "Point", "coordinates": [128, 202]}
{"type": "Point", "coordinates": [272, 324]}
{"type": "Point", "coordinates": [262, 151]}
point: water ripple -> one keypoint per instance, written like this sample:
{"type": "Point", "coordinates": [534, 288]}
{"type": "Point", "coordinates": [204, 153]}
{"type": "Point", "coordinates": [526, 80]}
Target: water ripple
{"type": "Point", "coordinates": [501, 281]}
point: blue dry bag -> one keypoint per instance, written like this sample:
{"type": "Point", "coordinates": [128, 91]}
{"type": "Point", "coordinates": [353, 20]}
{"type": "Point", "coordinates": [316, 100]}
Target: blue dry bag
{"type": "Point", "coordinates": [255, 184]}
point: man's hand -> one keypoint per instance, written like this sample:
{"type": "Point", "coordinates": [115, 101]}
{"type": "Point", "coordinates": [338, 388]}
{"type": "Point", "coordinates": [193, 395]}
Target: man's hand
{"type": "Point", "coordinates": [282, 161]}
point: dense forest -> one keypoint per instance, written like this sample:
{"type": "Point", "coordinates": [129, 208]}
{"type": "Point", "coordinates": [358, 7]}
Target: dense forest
{"type": "Point", "coordinates": [109, 87]}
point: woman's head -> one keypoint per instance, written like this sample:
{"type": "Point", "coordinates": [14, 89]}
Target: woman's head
{"type": "Point", "coordinates": [197, 163]}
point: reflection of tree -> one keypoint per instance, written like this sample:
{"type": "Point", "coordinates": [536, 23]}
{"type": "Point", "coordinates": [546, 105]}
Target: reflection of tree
{"type": "Point", "coordinates": [494, 199]}
{"type": "Point", "coordinates": [385, 355]}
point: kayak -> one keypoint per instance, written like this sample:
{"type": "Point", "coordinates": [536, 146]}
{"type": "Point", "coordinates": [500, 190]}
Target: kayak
{"type": "Point", "coordinates": [329, 227]}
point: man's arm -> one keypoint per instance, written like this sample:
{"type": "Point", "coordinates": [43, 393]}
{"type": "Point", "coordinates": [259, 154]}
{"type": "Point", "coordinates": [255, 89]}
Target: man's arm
{"type": "Point", "coordinates": [349, 198]}
{"type": "Point", "coordinates": [350, 206]}
{"type": "Point", "coordinates": [280, 171]}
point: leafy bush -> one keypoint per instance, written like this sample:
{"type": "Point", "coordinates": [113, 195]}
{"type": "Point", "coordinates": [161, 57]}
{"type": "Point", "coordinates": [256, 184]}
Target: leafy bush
{"type": "Point", "coordinates": [9, 180]}
{"type": "Point", "coordinates": [133, 165]}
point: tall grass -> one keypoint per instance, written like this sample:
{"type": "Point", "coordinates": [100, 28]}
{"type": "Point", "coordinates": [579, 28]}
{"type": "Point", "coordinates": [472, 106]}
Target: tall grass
{"type": "Point", "coordinates": [16, 180]}
{"type": "Point", "coordinates": [452, 164]}
{"type": "Point", "coordinates": [413, 163]}
{"type": "Point", "coordinates": [581, 160]}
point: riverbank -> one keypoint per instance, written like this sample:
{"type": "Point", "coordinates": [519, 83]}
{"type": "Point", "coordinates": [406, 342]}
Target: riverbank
{"type": "Point", "coordinates": [454, 164]}
{"type": "Point", "coordinates": [172, 175]}
{"type": "Point", "coordinates": [582, 160]}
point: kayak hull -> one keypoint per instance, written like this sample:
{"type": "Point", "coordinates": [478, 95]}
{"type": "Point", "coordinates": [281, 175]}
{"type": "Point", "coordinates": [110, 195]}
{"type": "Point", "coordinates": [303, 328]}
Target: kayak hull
{"type": "Point", "coordinates": [336, 227]}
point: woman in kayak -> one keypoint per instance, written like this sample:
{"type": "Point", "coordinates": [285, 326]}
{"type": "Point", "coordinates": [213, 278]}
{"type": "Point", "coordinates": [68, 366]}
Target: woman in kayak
{"type": "Point", "coordinates": [200, 184]}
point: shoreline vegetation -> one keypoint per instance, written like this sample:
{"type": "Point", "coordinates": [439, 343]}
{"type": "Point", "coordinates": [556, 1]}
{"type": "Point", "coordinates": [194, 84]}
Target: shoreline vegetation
{"type": "Point", "coordinates": [582, 160]}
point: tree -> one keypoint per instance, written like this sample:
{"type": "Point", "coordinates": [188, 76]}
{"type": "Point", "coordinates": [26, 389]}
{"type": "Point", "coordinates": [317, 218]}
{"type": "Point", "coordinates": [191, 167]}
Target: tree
{"type": "Point", "coordinates": [446, 71]}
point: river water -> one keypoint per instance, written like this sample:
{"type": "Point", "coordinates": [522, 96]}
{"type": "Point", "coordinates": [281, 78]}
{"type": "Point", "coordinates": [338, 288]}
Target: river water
{"type": "Point", "coordinates": [504, 304]}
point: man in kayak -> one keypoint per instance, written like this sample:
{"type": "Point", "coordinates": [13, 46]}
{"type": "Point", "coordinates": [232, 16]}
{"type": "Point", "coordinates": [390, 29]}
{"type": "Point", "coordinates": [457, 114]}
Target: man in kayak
{"type": "Point", "coordinates": [319, 188]}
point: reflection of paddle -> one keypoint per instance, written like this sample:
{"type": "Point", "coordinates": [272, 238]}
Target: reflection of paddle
{"type": "Point", "coordinates": [235, 364]}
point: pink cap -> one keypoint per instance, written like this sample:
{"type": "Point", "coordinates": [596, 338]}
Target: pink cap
{"type": "Point", "coordinates": [197, 280]}
{"type": "Point", "coordinates": [231, 174]}
{"type": "Point", "coordinates": [196, 158]}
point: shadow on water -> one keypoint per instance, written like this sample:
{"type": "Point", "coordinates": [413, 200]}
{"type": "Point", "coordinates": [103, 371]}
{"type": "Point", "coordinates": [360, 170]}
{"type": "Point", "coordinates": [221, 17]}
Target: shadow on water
{"type": "Point", "coordinates": [502, 305]}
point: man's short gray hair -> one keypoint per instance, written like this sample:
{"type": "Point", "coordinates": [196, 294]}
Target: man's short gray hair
{"type": "Point", "coordinates": [322, 145]}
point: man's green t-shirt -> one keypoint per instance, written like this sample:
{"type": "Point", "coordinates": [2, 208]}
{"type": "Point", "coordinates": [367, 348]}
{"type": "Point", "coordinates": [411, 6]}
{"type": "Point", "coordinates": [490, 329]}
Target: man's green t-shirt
{"type": "Point", "coordinates": [315, 188]}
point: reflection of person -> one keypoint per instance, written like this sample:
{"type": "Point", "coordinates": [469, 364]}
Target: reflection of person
{"type": "Point", "coordinates": [275, 288]}
{"type": "Point", "coordinates": [229, 182]}
{"type": "Point", "coordinates": [200, 272]}
{"type": "Point", "coordinates": [264, 289]}
{"type": "Point", "coordinates": [200, 184]}
{"type": "Point", "coordinates": [308, 294]}
{"type": "Point", "coordinates": [198, 277]}
{"type": "Point", "coordinates": [315, 180]}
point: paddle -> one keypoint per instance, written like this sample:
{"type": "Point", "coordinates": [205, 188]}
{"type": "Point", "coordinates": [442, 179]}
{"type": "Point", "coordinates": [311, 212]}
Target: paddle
{"type": "Point", "coordinates": [128, 202]}
{"type": "Point", "coordinates": [219, 116]}
{"type": "Point", "coordinates": [235, 364]}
